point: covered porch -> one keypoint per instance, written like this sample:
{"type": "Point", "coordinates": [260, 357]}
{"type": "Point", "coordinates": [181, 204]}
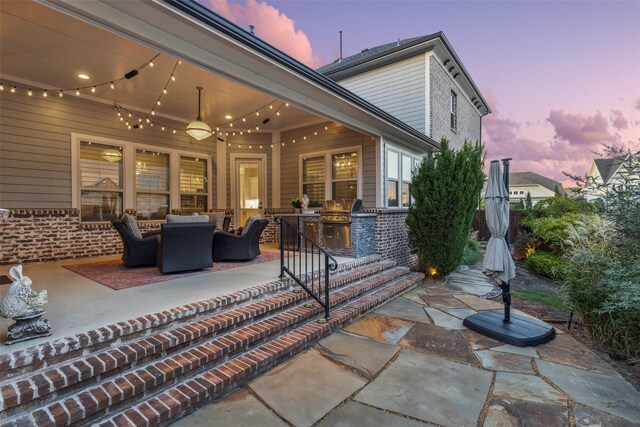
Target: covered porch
{"type": "Point", "coordinates": [78, 153]}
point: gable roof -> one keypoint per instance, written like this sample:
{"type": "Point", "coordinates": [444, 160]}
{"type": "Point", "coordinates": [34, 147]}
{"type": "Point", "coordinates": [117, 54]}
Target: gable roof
{"type": "Point", "coordinates": [531, 178]}
{"type": "Point", "coordinates": [607, 167]}
{"type": "Point", "coordinates": [378, 56]}
{"type": "Point", "coordinates": [365, 54]}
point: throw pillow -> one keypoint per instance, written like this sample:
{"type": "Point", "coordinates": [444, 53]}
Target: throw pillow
{"type": "Point", "coordinates": [131, 224]}
{"type": "Point", "coordinates": [250, 221]}
{"type": "Point", "coordinates": [174, 219]}
{"type": "Point", "coordinates": [216, 218]}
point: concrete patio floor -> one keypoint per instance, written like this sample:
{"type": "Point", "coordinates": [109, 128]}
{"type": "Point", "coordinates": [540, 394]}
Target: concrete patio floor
{"type": "Point", "coordinates": [412, 363]}
{"type": "Point", "coordinates": [78, 304]}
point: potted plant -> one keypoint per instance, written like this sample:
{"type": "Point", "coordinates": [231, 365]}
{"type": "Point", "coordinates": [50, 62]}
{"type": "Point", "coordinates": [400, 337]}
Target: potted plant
{"type": "Point", "coordinates": [297, 204]}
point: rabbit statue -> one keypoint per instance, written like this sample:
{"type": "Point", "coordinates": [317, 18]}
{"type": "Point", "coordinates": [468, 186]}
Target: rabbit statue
{"type": "Point", "coordinates": [20, 298]}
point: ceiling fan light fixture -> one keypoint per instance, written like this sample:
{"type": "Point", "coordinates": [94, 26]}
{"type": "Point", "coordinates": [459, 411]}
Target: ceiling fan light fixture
{"type": "Point", "coordinates": [198, 129]}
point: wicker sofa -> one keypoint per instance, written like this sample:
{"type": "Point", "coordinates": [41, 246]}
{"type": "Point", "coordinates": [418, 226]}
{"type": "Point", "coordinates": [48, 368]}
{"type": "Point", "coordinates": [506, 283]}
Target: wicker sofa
{"type": "Point", "coordinates": [138, 250]}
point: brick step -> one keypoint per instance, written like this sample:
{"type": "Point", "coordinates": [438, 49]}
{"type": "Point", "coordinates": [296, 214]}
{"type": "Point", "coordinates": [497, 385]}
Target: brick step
{"type": "Point", "coordinates": [152, 375]}
{"type": "Point", "coordinates": [33, 358]}
{"type": "Point", "coordinates": [192, 393]}
{"type": "Point", "coordinates": [53, 380]}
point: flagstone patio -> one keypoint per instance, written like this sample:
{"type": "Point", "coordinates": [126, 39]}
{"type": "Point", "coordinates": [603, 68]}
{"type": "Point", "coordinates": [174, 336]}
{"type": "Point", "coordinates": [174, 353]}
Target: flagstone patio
{"type": "Point", "coordinates": [412, 363]}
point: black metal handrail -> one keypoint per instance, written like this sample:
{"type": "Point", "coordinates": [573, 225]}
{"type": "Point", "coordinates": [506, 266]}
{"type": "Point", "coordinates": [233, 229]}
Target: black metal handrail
{"type": "Point", "coordinates": [292, 242]}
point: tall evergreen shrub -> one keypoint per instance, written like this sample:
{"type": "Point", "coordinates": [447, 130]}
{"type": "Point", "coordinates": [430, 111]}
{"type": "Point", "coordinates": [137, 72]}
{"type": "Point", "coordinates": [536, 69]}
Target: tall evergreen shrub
{"type": "Point", "coordinates": [445, 189]}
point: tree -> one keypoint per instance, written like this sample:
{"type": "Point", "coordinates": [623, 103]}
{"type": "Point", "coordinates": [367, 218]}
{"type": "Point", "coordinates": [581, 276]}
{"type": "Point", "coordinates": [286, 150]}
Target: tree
{"type": "Point", "coordinates": [528, 204]}
{"type": "Point", "coordinates": [445, 188]}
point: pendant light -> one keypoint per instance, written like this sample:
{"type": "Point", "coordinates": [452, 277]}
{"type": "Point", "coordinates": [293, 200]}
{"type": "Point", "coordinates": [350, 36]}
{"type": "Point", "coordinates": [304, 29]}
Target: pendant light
{"type": "Point", "coordinates": [198, 129]}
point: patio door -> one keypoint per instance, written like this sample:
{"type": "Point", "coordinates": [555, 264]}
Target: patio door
{"type": "Point", "coordinates": [248, 187]}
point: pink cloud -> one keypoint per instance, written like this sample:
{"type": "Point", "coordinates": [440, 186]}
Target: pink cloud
{"type": "Point", "coordinates": [580, 129]}
{"type": "Point", "coordinates": [638, 104]}
{"type": "Point", "coordinates": [618, 120]}
{"type": "Point", "coordinates": [271, 25]}
{"type": "Point", "coordinates": [572, 149]}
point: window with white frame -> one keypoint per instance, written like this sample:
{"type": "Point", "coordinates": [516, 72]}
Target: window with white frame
{"type": "Point", "coordinates": [193, 185]}
{"type": "Point", "coordinates": [110, 176]}
{"type": "Point", "coordinates": [344, 175]}
{"type": "Point", "coordinates": [313, 182]}
{"type": "Point", "coordinates": [152, 184]}
{"type": "Point", "coordinates": [393, 176]}
{"type": "Point", "coordinates": [331, 175]}
{"type": "Point", "coordinates": [399, 171]}
{"type": "Point", "coordinates": [453, 109]}
{"type": "Point", "coordinates": [407, 163]}
{"type": "Point", "coordinates": [101, 181]}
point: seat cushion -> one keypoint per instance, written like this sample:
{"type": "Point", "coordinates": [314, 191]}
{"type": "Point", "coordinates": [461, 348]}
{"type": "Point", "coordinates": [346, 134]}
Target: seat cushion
{"type": "Point", "coordinates": [175, 219]}
{"type": "Point", "coordinates": [216, 218]}
{"type": "Point", "coordinates": [250, 221]}
{"type": "Point", "coordinates": [131, 225]}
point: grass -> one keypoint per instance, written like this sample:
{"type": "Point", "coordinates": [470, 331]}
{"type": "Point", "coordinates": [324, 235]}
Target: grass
{"type": "Point", "coordinates": [543, 297]}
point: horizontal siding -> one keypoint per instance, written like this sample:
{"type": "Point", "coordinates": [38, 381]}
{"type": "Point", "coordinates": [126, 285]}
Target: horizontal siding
{"type": "Point", "coordinates": [398, 88]}
{"type": "Point", "coordinates": [334, 137]}
{"type": "Point", "coordinates": [35, 145]}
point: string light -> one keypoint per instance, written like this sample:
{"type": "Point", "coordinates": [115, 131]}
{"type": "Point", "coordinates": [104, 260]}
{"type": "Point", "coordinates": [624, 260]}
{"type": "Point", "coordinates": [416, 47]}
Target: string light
{"type": "Point", "coordinates": [77, 92]}
{"type": "Point", "coordinates": [30, 93]}
{"type": "Point", "coordinates": [13, 89]}
{"type": "Point", "coordinates": [61, 94]}
{"type": "Point", "coordinates": [112, 86]}
{"type": "Point", "coordinates": [45, 94]}
{"type": "Point", "coordinates": [93, 89]}
{"type": "Point", "coordinates": [1, 87]}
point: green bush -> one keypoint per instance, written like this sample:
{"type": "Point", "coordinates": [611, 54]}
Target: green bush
{"type": "Point", "coordinates": [446, 189]}
{"type": "Point", "coordinates": [546, 263]}
{"type": "Point", "coordinates": [471, 249]}
{"type": "Point", "coordinates": [602, 274]}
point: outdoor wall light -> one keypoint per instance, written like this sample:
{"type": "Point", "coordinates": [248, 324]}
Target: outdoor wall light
{"type": "Point", "coordinates": [198, 129]}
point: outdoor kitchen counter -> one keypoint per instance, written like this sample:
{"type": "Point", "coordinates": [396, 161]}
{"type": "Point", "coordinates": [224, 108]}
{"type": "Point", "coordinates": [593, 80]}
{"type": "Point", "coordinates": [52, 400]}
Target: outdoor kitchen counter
{"type": "Point", "coordinates": [361, 238]}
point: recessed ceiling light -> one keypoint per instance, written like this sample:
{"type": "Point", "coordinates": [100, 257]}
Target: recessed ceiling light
{"type": "Point", "coordinates": [83, 76]}
{"type": "Point", "coordinates": [228, 117]}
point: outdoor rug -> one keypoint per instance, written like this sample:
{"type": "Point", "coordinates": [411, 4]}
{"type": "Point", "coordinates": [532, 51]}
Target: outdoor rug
{"type": "Point", "coordinates": [115, 275]}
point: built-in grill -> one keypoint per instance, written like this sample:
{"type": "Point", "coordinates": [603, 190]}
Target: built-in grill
{"type": "Point", "coordinates": [336, 222]}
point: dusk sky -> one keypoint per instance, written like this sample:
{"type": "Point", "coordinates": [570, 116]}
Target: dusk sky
{"type": "Point", "coordinates": [561, 77]}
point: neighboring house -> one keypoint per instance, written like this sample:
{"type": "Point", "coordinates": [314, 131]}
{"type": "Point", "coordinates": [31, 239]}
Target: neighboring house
{"type": "Point", "coordinates": [280, 128]}
{"type": "Point", "coordinates": [540, 187]}
{"type": "Point", "coordinates": [615, 172]}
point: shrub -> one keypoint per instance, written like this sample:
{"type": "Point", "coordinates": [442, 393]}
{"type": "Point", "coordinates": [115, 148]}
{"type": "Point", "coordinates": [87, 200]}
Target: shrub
{"type": "Point", "coordinates": [446, 189]}
{"type": "Point", "coordinates": [471, 249]}
{"type": "Point", "coordinates": [602, 278]}
{"type": "Point", "coordinates": [546, 263]}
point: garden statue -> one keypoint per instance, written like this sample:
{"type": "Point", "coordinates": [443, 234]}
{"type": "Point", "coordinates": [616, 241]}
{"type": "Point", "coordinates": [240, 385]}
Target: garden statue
{"type": "Point", "coordinates": [305, 203]}
{"type": "Point", "coordinates": [24, 305]}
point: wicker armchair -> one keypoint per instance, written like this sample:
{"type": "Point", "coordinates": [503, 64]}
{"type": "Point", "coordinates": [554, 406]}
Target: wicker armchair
{"type": "Point", "coordinates": [230, 247]}
{"type": "Point", "coordinates": [137, 252]}
{"type": "Point", "coordinates": [185, 246]}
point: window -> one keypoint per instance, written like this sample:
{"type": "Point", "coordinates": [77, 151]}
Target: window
{"type": "Point", "coordinates": [101, 181]}
{"type": "Point", "coordinates": [331, 175]}
{"type": "Point", "coordinates": [453, 109]}
{"type": "Point", "coordinates": [406, 181]}
{"type": "Point", "coordinates": [313, 173]}
{"type": "Point", "coordinates": [152, 185]}
{"type": "Point", "coordinates": [392, 179]}
{"type": "Point", "coordinates": [344, 175]}
{"type": "Point", "coordinates": [109, 177]}
{"type": "Point", "coordinates": [193, 185]}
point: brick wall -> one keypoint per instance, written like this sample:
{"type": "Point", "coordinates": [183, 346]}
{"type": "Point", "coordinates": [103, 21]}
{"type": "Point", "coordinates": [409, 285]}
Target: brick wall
{"type": "Point", "coordinates": [468, 127]}
{"type": "Point", "coordinates": [39, 235]}
{"type": "Point", "coordinates": [392, 241]}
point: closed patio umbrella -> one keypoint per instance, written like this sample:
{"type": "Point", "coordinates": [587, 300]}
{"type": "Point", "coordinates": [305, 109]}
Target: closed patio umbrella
{"type": "Point", "coordinates": [498, 265]}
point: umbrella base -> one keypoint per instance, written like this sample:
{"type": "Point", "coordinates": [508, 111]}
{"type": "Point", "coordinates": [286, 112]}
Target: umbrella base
{"type": "Point", "coordinates": [521, 331]}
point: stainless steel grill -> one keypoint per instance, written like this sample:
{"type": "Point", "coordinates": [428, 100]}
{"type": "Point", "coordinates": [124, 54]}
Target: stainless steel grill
{"type": "Point", "coordinates": [336, 222]}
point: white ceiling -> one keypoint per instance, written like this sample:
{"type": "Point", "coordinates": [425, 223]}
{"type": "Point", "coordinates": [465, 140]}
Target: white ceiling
{"type": "Point", "coordinates": [47, 49]}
